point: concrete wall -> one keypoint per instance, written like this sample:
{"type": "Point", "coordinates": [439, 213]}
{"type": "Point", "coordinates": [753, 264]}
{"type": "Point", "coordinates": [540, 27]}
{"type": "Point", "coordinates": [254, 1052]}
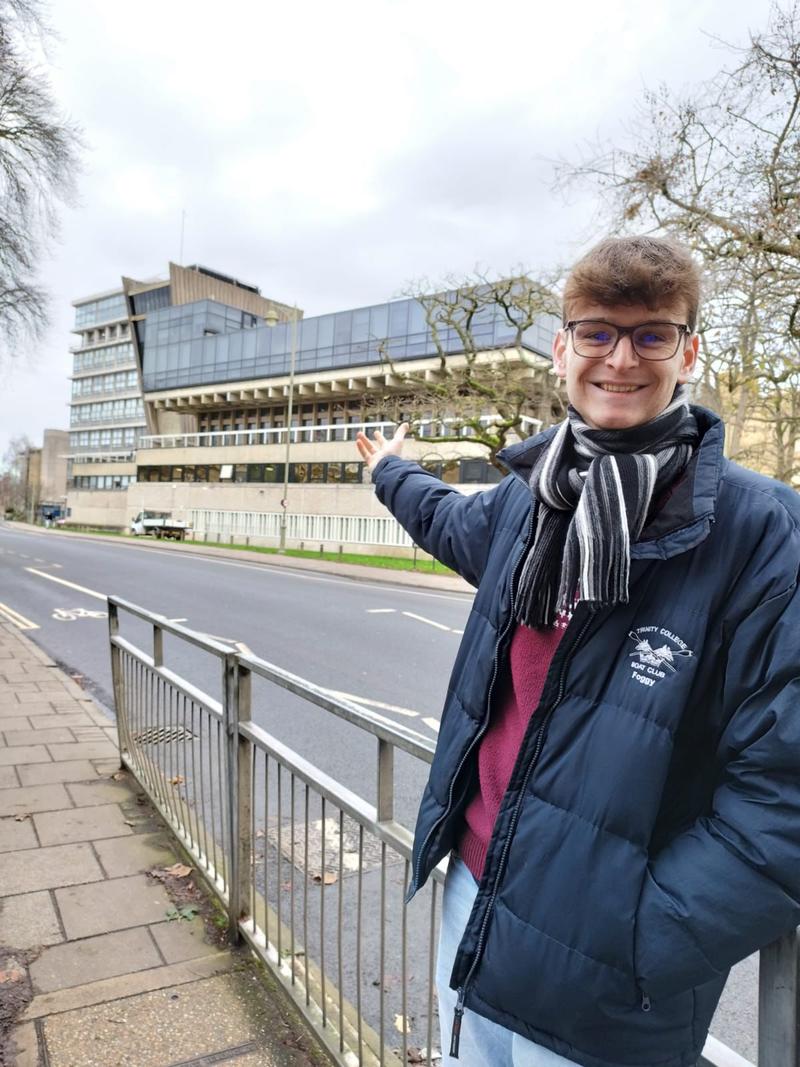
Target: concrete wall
{"type": "Point", "coordinates": [54, 465]}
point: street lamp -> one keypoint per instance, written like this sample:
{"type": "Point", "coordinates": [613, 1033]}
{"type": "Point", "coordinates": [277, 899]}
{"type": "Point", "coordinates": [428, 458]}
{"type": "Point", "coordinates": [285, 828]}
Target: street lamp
{"type": "Point", "coordinates": [271, 319]}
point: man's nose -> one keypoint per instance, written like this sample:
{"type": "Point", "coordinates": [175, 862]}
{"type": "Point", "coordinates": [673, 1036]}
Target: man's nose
{"type": "Point", "coordinates": [624, 355]}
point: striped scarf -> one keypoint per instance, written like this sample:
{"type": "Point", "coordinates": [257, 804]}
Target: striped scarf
{"type": "Point", "coordinates": [594, 489]}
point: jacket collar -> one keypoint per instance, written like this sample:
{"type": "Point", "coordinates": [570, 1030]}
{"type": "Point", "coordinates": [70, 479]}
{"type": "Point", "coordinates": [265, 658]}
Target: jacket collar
{"type": "Point", "coordinates": [686, 517]}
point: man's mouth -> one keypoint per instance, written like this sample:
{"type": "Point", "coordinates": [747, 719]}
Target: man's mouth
{"type": "Point", "coordinates": [611, 387]}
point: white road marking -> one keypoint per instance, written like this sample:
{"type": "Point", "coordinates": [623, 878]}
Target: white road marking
{"type": "Point", "coordinates": [430, 622]}
{"type": "Point", "coordinates": [459, 632]}
{"type": "Point", "coordinates": [71, 585]}
{"type": "Point", "coordinates": [372, 703]}
{"type": "Point", "coordinates": [240, 646]}
{"type": "Point", "coordinates": [37, 560]}
{"type": "Point", "coordinates": [18, 620]}
{"type": "Point", "coordinates": [381, 611]}
{"type": "Point", "coordinates": [433, 723]}
{"type": "Point", "coordinates": [71, 614]}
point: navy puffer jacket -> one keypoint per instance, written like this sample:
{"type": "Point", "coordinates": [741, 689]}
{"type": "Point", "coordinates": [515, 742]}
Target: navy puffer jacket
{"type": "Point", "coordinates": [650, 835]}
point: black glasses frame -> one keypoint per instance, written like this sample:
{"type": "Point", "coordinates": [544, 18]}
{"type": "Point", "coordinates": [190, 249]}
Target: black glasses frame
{"type": "Point", "coordinates": [682, 327]}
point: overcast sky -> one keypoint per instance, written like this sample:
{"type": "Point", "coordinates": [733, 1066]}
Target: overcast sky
{"type": "Point", "coordinates": [332, 153]}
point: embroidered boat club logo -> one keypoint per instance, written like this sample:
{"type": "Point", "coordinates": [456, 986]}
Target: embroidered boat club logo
{"type": "Point", "coordinates": [657, 654]}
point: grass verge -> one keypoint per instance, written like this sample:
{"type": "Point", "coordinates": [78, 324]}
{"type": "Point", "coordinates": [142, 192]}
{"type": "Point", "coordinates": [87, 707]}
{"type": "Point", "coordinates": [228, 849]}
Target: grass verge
{"type": "Point", "coordinates": [424, 564]}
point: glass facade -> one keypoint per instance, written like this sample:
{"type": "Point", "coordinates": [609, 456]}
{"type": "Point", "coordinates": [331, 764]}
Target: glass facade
{"type": "Point", "coordinates": [108, 356]}
{"type": "Point", "coordinates": [106, 383]}
{"type": "Point", "coordinates": [107, 411]}
{"type": "Point", "coordinates": [108, 437]}
{"type": "Point", "coordinates": [475, 471]}
{"type": "Point", "coordinates": [201, 344]}
{"type": "Point", "coordinates": [106, 310]}
{"type": "Point", "coordinates": [102, 481]}
{"type": "Point", "coordinates": [144, 303]}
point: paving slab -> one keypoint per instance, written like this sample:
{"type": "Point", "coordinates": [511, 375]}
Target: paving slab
{"type": "Point", "coordinates": [65, 718]}
{"type": "Point", "coordinates": [16, 835]}
{"type": "Point", "coordinates": [181, 940]}
{"type": "Point", "coordinates": [94, 958]}
{"type": "Point", "coordinates": [33, 696]}
{"type": "Point", "coordinates": [25, 1046]}
{"type": "Point", "coordinates": [37, 737]}
{"type": "Point", "coordinates": [8, 778]}
{"type": "Point", "coordinates": [102, 907]}
{"type": "Point", "coordinates": [126, 985]}
{"type": "Point", "coordinates": [29, 920]}
{"type": "Point", "coordinates": [133, 855]}
{"type": "Point", "coordinates": [101, 791]}
{"type": "Point", "coordinates": [167, 1027]}
{"type": "Point", "coordinates": [47, 868]}
{"type": "Point", "coordinates": [85, 750]}
{"type": "Point", "coordinates": [11, 709]}
{"type": "Point", "coordinates": [89, 733]}
{"type": "Point", "coordinates": [68, 771]}
{"type": "Point", "coordinates": [81, 824]}
{"type": "Point", "coordinates": [14, 723]}
{"type": "Point", "coordinates": [32, 798]}
{"type": "Point", "coordinates": [25, 754]}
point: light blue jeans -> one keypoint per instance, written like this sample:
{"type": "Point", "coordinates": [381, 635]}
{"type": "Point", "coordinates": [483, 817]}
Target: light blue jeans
{"type": "Point", "coordinates": [483, 1043]}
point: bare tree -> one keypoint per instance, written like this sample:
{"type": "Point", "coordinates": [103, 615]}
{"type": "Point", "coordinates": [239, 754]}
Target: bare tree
{"type": "Point", "coordinates": [38, 165]}
{"type": "Point", "coordinates": [488, 385]}
{"type": "Point", "coordinates": [14, 489]}
{"type": "Point", "coordinates": [720, 170]}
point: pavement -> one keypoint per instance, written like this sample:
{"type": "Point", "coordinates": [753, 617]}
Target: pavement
{"type": "Point", "coordinates": [110, 953]}
{"type": "Point", "coordinates": [423, 578]}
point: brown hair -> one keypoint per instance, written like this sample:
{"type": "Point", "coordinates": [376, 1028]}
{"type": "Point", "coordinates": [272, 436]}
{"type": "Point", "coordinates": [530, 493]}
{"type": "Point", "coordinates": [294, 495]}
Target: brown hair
{"type": "Point", "coordinates": [652, 271]}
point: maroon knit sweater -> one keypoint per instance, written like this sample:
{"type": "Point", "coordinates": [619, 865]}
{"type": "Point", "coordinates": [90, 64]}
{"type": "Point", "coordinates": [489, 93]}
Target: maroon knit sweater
{"type": "Point", "coordinates": [530, 656]}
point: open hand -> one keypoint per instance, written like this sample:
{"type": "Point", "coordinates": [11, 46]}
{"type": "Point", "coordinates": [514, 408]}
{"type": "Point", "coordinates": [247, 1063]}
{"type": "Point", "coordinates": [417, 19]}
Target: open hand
{"type": "Point", "coordinates": [373, 451]}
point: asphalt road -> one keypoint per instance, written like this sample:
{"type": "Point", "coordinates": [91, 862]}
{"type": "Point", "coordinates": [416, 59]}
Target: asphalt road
{"type": "Point", "coordinates": [385, 646]}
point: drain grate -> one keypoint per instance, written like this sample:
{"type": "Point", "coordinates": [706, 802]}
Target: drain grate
{"type": "Point", "coordinates": [163, 735]}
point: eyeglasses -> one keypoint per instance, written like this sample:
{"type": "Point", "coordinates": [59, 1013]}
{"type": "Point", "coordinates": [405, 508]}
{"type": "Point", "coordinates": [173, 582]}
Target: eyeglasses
{"type": "Point", "coordinates": [595, 339]}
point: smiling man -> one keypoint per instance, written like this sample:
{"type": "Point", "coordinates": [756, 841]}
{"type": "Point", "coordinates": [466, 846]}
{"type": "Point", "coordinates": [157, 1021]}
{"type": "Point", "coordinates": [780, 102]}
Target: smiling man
{"type": "Point", "coordinates": [617, 775]}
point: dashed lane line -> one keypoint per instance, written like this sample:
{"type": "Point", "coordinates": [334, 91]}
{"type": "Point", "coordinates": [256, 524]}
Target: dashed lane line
{"type": "Point", "coordinates": [16, 619]}
{"type": "Point", "coordinates": [433, 723]}
{"type": "Point", "coordinates": [381, 611]}
{"type": "Point", "coordinates": [430, 622]}
{"type": "Point", "coordinates": [70, 585]}
{"type": "Point", "coordinates": [373, 703]}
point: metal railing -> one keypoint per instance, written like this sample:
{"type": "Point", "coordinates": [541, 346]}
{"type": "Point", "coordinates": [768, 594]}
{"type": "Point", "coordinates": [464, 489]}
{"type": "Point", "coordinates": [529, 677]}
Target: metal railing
{"type": "Point", "coordinates": [324, 433]}
{"type": "Point", "coordinates": [313, 529]}
{"type": "Point", "coordinates": [313, 876]}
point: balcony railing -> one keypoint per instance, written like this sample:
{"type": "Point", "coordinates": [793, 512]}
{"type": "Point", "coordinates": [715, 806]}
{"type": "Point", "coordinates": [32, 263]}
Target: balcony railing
{"type": "Point", "coordinates": [320, 434]}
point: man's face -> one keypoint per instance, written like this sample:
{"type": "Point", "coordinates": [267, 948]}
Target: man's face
{"type": "Point", "coordinates": [622, 390]}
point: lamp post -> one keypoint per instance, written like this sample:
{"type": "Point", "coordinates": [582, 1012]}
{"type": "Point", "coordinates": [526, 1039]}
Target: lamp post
{"type": "Point", "coordinates": [271, 319]}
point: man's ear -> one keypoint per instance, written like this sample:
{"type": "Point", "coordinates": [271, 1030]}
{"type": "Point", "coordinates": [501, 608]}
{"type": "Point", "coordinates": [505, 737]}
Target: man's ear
{"type": "Point", "coordinates": [689, 358]}
{"type": "Point", "coordinates": [560, 353]}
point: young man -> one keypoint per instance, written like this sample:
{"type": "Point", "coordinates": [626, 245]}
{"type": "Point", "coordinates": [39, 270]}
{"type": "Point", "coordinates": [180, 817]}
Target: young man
{"type": "Point", "coordinates": [617, 773]}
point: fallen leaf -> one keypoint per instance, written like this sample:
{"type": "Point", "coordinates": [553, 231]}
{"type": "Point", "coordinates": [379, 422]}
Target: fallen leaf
{"type": "Point", "coordinates": [22, 818]}
{"type": "Point", "coordinates": [415, 1055]}
{"type": "Point", "coordinates": [401, 1024]}
{"type": "Point", "coordinates": [177, 780]}
{"type": "Point", "coordinates": [326, 878]}
{"type": "Point", "coordinates": [118, 776]}
{"type": "Point", "coordinates": [179, 870]}
{"type": "Point", "coordinates": [189, 912]}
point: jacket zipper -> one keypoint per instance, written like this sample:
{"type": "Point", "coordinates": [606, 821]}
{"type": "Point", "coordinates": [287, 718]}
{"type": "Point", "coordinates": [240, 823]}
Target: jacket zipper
{"type": "Point", "coordinates": [459, 1009]}
{"type": "Point", "coordinates": [514, 581]}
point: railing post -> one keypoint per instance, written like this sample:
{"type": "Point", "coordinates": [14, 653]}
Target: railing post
{"type": "Point", "coordinates": [120, 710]}
{"type": "Point", "coordinates": [779, 1003]}
{"type": "Point", "coordinates": [158, 646]}
{"type": "Point", "coordinates": [385, 781]}
{"type": "Point", "coordinates": [240, 770]}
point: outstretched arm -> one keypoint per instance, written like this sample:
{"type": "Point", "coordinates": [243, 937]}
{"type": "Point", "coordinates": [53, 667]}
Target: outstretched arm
{"type": "Point", "coordinates": [454, 527]}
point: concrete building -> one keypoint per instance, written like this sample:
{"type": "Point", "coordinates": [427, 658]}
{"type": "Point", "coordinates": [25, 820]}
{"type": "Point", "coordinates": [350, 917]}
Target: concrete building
{"type": "Point", "coordinates": [43, 473]}
{"type": "Point", "coordinates": [107, 413]}
{"type": "Point", "coordinates": [216, 393]}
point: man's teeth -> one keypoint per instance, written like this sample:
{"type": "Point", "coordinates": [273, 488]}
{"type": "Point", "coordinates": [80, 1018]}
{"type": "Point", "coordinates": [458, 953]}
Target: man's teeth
{"type": "Point", "coordinates": [609, 388]}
